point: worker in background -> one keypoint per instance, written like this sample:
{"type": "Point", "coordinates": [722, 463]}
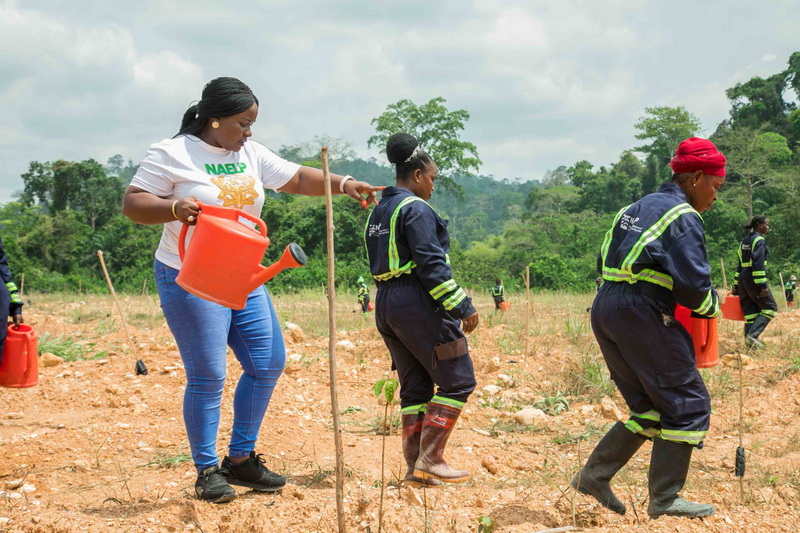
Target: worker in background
{"type": "Point", "coordinates": [653, 257]}
{"type": "Point", "coordinates": [790, 287]}
{"type": "Point", "coordinates": [10, 300]}
{"type": "Point", "coordinates": [751, 285]}
{"type": "Point", "coordinates": [363, 295]}
{"type": "Point", "coordinates": [498, 293]}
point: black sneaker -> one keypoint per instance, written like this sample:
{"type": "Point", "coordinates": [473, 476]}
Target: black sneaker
{"type": "Point", "coordinates": [211, 486]}
{"type": "Point", "coordinates": [252, 474]}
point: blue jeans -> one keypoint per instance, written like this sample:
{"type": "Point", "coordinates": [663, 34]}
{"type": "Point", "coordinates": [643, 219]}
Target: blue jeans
{"type": "Point", "coordinates": [203, 330]}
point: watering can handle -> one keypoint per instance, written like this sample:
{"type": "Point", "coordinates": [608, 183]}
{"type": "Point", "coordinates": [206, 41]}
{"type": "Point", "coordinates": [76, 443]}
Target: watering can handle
{"type": "Point", "coordinates": [31, 348]}
{"type": "Point", "coordinates": [233, 214]}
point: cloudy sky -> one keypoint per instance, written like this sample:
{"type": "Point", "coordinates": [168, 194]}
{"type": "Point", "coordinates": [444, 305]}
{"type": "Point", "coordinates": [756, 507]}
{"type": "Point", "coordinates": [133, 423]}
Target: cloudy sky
{"type": "Point", "coordinates": [546, 82]}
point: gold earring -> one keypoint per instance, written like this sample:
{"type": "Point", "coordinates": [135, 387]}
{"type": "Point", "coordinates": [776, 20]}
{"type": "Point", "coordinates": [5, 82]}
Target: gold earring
{"type": "Point", "coordinates": [215, 124]}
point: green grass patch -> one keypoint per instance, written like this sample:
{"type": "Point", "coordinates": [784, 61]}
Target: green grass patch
{"type": "Point", "coordinates": [68, 349]}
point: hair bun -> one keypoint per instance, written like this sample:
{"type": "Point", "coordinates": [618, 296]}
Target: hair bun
{"type": "Point", "coordinates": [399, 147]}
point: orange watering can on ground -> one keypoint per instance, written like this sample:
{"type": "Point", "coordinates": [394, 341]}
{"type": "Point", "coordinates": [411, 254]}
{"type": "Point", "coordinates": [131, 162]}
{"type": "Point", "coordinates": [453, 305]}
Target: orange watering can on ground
{"type": "Point", "coordinates": [704, 336]}
{"type": "Point", "coordinates": [732, 308]}
{"type": "Point", "coordinates": [20, 364]}
{"type": "Point", "coordinates": [223, 261]}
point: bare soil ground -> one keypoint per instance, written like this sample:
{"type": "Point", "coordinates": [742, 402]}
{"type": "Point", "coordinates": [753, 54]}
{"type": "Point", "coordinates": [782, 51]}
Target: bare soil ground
{"type": "Point", "coordinates": [93, 447]}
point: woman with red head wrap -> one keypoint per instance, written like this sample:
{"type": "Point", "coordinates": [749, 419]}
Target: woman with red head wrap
{"type": "Point", "coordinates": [653, 257]}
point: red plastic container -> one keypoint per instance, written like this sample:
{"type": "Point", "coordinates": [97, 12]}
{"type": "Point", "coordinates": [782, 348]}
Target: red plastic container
{"type": "Point", "coordinates": [704, 336]}
{"type": "Point", "coordinates": [505, 306]}
{"type": "Point", "coordinates": [20, 364]}
{"type": "Point", "coordinates": [223, 261]}
{"type": "Point", "coordinates": [732, 308]}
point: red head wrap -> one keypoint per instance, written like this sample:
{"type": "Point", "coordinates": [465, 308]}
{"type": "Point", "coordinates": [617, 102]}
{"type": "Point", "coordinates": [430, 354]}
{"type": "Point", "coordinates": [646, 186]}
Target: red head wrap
{"type": "Point", "coordinates": [698, 154]}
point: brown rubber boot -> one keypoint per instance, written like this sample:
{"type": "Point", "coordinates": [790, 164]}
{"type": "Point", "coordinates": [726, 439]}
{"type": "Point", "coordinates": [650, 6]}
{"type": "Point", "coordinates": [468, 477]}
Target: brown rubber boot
{"type": "Point", "coordinates": [436, 428]}
{"type": "Point", "coordinates": [412, 430]}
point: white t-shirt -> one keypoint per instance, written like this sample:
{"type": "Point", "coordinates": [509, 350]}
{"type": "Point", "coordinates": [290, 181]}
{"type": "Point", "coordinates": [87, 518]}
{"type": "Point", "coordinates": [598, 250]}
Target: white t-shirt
{"type": "Point", "coordinates": [187, 166]}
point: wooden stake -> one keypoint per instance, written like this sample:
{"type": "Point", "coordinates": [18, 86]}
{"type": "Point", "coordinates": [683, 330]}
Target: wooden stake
{"type": "Point", "coordinates": [22, 285]}
{"type": "Point", "coordinates": [724, 278]}
{"type": "Point", "coordinates": [337, 436]}
{"type": "Point", "coordinates": [139, 363]}
{"type": "Point", "coordinates": [783, 291]}
{"type": "Point", "coordinates": [527, 304]}
{"type": "Point", "coordinates": [741, 423]}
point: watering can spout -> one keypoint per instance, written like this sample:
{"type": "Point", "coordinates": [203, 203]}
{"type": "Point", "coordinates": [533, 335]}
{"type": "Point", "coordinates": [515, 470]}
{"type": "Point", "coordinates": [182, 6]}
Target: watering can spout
{"type": "Point", "coordinates": [293, 257]}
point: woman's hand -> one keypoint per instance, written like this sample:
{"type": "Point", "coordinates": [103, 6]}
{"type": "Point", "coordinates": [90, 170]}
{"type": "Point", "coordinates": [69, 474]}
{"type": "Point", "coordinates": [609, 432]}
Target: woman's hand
{"type": "Point", "coordinates": [355, 189]}
{"type": "Point", "coordinates": [187, 209]}
{"type": "Point", "coordinates": [17, 320]}
{"type": "Point", "coordinates": [468, 324]}
{"type": "Point", "coordinates": [764, 292]}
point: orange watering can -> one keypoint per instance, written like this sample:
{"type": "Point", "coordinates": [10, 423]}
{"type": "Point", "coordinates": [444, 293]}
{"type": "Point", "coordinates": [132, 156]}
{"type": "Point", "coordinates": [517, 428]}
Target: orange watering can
{"type": "Point", "coordinates": [223, 261]}
{"type": "Point", "coordinates": [20, 364]}
{"type": "Point", "coordinates": [732, 308]}
{"type": "Point", "coordinates": [704, 336]}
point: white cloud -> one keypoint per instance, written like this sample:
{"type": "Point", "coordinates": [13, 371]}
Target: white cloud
{"type": "Point", "coordinates": [546, 83]}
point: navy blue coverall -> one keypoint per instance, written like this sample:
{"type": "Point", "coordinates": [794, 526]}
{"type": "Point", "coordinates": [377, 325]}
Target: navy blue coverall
{"type": "Point", "coordinates": [419, 305]}
{"type": "Point", "coordinates": [751, 278]}
{"type": "Point", "coordinates": [10, 301]}
{"type": "Point", "coordinates": [653, 256]}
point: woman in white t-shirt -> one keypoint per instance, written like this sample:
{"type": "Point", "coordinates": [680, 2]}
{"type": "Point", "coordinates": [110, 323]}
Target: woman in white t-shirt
{"type": "Point", "coordinates": [212, 160]}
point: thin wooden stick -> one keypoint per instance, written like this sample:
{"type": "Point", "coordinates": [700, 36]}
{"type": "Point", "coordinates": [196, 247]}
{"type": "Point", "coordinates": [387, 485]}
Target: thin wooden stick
{"type": "Point", "coordinates": [337, 436]}
{"type": "Point", "coordinates": [783, 291]}
{"type": "Point", "coordinates": [724, 278]}
{"type": "Point", "coordinates": [22, 285]}
{"type": "Point", "coordinates": [119, 309]}
{"type": "Point", "coordinates": [741, 422]}
{"type": "Point", "coordinates": [527, 304]}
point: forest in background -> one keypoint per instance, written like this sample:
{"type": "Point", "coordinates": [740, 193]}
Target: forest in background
{"type": "Point", "coordinates": [69, 210]}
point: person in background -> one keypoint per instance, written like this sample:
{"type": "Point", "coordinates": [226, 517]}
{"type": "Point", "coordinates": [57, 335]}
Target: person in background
{"type": "Point", "coordinates": [751, 285]}
{"type": "Point", "coordinates": [212, 160]}
{"type": "Point", "coordinates": [498, 293]}
{"type": "Point", "coordinates": [420, 312]}
{"type": "Point", "coordinates": [363, 295]}
{"type": "Point", "coordinates": [653, 257]}
{"type": "Point", "coordinates": [598, 281]}
{"type": "Point", "coordinates": [790, 287]}
{"type": "Point", "coordinates": [10, 300]}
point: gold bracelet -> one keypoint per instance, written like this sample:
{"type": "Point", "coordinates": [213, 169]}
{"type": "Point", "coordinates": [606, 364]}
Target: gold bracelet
{"type": "Point", "coordinates": [173, 210]}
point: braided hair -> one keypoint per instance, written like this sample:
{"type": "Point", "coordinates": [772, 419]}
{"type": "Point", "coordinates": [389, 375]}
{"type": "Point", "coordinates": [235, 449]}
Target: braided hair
{"type": "Point", "coordinates": [222, 97]}
{"type": "Point", "coordinates": [404, 152]}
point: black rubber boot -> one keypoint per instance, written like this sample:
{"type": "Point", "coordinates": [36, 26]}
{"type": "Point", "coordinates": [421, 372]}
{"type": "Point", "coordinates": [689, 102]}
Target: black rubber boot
{"type": "Point", "coordinates": [756, 328]}
{"type": "Point", "coordinates": [669, 467]}
{"type": "Point", "coordinates": [613, 452]}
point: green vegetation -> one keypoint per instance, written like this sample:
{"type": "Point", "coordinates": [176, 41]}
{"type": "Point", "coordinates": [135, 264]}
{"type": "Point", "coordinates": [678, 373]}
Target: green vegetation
{"type": "Point", "coordinates": [69, 349]}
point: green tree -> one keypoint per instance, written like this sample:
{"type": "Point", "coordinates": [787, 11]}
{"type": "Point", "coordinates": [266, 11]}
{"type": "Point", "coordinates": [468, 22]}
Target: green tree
{"type": "Point", "coordinates": [309, 153]}
{"type": "Point", "coordinates": [651, 176]}
{"type": "Point", "coordinates": [438, 131]}
{"type": "Point", "coordinates": [759, 102]}
{"type": "Point", "coordinates": [665, 128]}
{"type": "Point", "coordinates": [68, 186]}
{"type": "Point", "coordinates": [754, 158]}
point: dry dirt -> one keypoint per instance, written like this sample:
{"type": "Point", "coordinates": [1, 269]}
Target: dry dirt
{"type": "Point", "coordinates": [99, 449]}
